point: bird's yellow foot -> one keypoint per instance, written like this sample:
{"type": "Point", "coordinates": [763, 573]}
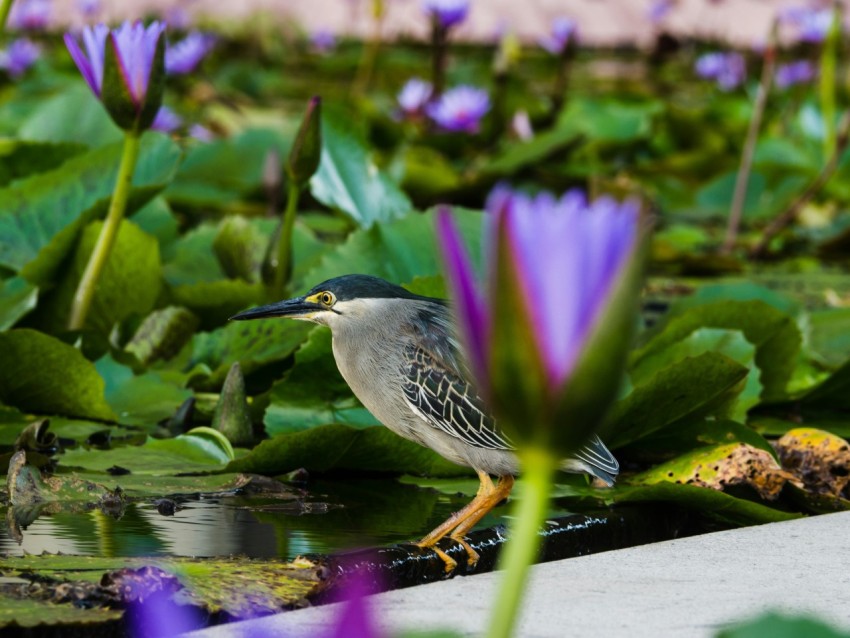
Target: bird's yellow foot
{"type": "Point", "coordinates": [459, 523]}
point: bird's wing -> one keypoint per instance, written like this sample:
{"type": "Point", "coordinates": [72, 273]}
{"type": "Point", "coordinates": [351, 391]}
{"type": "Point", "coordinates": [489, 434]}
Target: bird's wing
{"type": "Point", "coordinates": [448, 402]}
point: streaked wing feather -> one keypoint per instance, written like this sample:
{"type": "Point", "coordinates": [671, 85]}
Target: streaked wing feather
{"type": "Point", "coordinates": [448, 402]}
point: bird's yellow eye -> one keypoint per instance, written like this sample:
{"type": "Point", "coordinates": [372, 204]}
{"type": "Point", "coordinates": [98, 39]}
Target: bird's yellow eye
{"type": "Point", "coordinates": [327, 298]}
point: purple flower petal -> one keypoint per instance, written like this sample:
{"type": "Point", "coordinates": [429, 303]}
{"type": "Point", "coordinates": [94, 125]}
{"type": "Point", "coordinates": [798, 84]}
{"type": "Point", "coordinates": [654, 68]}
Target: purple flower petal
{"type": "Point", "coordinates": [799, 72]}
{"type": "Point", "coordinates": [184, 56]}
{"type": "Point", "coordinates": [89, 63]}
{"type": "Point", "coordinates": [460, 109]}
{"type": "Point", "coordinates": [414, 95]}
{"type": "Point", "coordinates": [166, 120]}
{"type": "Point", "coordinates": [19, 56]}
{"type": "Point", "coordinates": [135, 47]}
{"type": "Point", "coordinates": [729, 70]}
{"type": "Point", "coordinates": [447, 12]}
{"type": "Point", "coordinates": [469, 308]}
{"type": "Point", "coordinates": [564, 30]}
{"type": "Point", "coordinates": [567, 254]}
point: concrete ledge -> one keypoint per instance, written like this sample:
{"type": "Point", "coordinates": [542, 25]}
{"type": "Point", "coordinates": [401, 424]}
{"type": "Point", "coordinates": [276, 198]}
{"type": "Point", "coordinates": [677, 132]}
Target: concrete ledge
{"type": "Point", "coordinates": [687, 587]}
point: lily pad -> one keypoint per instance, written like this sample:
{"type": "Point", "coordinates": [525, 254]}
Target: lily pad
{"type": "Point", "coordinates": [774, 334]}
{"type": "Point", "coordinates": [43, 213]}
{"type": "Point", "coordinates": [341, 447]}
{"type": "Point", "coordinates": [46, 376]}
{"type": "Point", "coordinates": [349, 180]}
{"type": "Point", "coordinates": [690, 388]}
{"type": "Point", "coordinates": [17, 298]}
{"type": "Point", "coordinates": [184, 454]}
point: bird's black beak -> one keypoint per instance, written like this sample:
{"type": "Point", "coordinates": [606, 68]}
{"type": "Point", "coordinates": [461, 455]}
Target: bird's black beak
{"type": "Point", "coordinates": [297, 308]}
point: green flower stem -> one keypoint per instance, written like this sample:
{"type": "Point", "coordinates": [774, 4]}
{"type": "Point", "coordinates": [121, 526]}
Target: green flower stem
{"type": "Point", "coordinates": [88, 283]}
{"type": "Point", "coordinates": [5, 8]}
{"type": "Point", "coordinates": [283, 267]}
{"type": "Point", "coordinates": [529, 512]}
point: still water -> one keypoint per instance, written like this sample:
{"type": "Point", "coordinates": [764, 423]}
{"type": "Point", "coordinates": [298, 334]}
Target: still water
{"type": "Point", "coordinates": [331, 516]}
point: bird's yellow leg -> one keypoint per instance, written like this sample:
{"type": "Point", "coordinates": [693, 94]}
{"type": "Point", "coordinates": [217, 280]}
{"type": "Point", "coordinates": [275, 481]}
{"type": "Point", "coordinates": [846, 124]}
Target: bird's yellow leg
{"type": "Point", "coordinates": [499, 493]}
{"type": "Point", "coordinates": [485, 491]}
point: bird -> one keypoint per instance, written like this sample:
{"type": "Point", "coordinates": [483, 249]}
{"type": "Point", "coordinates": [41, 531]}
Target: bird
{"type": "Point", "coordinates": [399, 354]}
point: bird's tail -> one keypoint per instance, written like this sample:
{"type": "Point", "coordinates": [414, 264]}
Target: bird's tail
{"type": "Point", "coordinates": [595, 459]}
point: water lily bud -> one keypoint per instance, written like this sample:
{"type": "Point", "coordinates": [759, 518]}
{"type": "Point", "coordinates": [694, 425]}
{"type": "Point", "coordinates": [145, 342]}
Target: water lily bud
{"type": "Point", "coordinates": [125, 68]}
{"type": "Point", "coordinates": [547, 334]}
{"type": "Point", "coordinates": [306, 152]}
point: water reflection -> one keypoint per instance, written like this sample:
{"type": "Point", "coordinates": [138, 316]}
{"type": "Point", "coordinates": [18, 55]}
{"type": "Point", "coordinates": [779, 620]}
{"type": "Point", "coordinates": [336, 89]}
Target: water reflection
{"type": "Point", "coordinates": [336, 515]}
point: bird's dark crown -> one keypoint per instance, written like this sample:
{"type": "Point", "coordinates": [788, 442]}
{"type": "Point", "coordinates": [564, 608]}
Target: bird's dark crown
{"type": "Point", "coordinates": [350, 287]}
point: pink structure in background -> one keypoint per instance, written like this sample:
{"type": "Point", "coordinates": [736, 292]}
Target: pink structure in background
{"type": "Point", "coordinates": [602, 22]}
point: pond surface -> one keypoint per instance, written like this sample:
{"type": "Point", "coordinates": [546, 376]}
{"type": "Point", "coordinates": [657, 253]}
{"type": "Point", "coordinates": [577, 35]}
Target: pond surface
{"type": "Point", "coordinates": [334, 515]}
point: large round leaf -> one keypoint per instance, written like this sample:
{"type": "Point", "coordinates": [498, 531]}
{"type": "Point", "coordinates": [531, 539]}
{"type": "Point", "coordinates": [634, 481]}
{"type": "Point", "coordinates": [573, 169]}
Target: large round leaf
{"type": "Point", "coordinates": [43, 375]}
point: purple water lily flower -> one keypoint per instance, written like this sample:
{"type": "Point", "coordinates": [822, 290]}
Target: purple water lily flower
{"type": "Point", "coordinates": [166, 120]}
{"type": "Point", "coordinates": [323, 41]}
{"type": "Point", "coordinates": [413, 97]}
{"type": "Point", "coordinates": [30, 15]}
{"type": "Point", "coordinates": [556, 276]}
{"type": "Point", "coordinates": [89, 8]}
{"type": "Point", "coordinates": [447, 13]}
{"type": "Point", "coordinates": [799, 72]}
{"type": "Point", "coordinates": [460, 109]}
{"type": "Point", "coordinates": [134, 45]}
{"type": "Point", "coordinates": [19, 56]}
{"type": "Point", "coordinates": [564, 30]}
{"type": "Point", "coordinates": [659, 9]}
{"type": "Point", "coordinates": [201, 133]}
{"type": "Point", "coordinates": [811, 24]}
{"type": "Point", "coordinates": [184, 56]}
{"type": "Point", "coordinates": [133, 92]}
{"type": "Point", "coordinates": [729, 70]}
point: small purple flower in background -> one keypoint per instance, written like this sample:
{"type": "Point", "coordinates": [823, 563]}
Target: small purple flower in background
{"type": "Point", "coordinates": [89, 8]}
{"type": "Point", "coordinates": [166, 120]}
{"type": "Point", "coordinates": [201, 133]}
{"type": "Point", "coordinates": [30, 15]}
{"type": "Point", "coordinates": [659, 9]}
{"type": "Point", "coordinates": [811, 24]}
{"type": "Point", "coordinates": [729, 70]}
{"type": "Point", "coordinates": [799, 72]}
{"type": "Point", "coordinates": [413, 97]}
{"type": "Point", "coordinates": [19, 56]}
{"type": "Point", "coordinates": [446, 13]}
{"type": "Point", "coordinates": [323, 41]}
{"type": "Point", "coordinates": [460, 109]}
{"type": "Point", "coordinates": [177, 18]}
{"type": "Point", "coordinates": [184, 56]}
{"type": "Point", "coordinates": [521, 126]}
{"type": "Point", "coordinates": [564, 30]}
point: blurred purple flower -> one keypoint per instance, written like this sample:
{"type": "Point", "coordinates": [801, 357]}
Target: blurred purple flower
{"type": "Point", "coordinates": [798, 72]}
{"type": "Point", "coordinates": [659, 9]}
{"type": "Point", "coordinates": [19, 56]}
{"type": "Point", "coordinates": [521, 126]}
{"type": "Point", "coordinates": [30, 15]}
{"type": "Point", "coordinates": [177, 18]}
{"type": "Point", "coordinates": [184, 56]}
{"type": "Point", "coordinates": [413, 97]}
{"type": "Point", "coordinates": [201, 133]}
{"type": "Point", "coordinates": [563, 31]}
{"type": "Point", "coordinates": [566, 254]}
{"type": "Point", "coordinates": [89, 8]}
{"type": "Point", "coordinates": [166, 120]}
{"type": "Point", "coordinates": [729, 70]}
{"type": "Point", "coordinates": [323, 41]}
{"type": "Point", "coordinates": [355, 618]}
{"type": "Point", "coordinates": [460, 109]}
{"type": "Point", "coordinates": [811, 24]}
{"type": "Point", "coordinates": [446, 12]}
